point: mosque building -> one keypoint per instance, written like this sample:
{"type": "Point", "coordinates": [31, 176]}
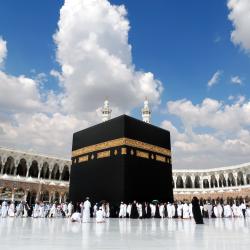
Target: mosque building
{"type": "Point", "coordinates": [30, 176]}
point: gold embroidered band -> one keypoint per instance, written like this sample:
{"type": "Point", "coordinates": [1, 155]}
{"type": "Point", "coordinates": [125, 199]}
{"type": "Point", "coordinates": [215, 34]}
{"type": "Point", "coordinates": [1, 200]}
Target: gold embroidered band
{"type": "Point", "coordinates": [121, 142]}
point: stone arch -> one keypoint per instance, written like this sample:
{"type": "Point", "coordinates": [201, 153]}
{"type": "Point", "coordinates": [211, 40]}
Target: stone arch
{"type": "Point", "coordinates": [65, 173]}
{"type": "Point", "coordinates": [57, 196]}
{"type": "Point", "coordinates": [240, 178]}
{"type": "Point", "coordinates": [19, 194]}
{"type": "Point", "coordinates": [205, 183]}
{"type": "Point", "coordinates": [33, 170]}
{"type": "Point", "coordinates": [45, 196]}
{"type": "Point", "coordinates": [213, 182]}
{"type": "Point", "coordinates": [45, 171]}
{"type": "Point", "coordinates": [179, 182]}
{"type": "Point", "coordinates": [9, 166]}
{"type": "Point", "coordinates": [22, 168]}
{"type": "Point", "coordinates": [222, 181]}
{"type": "Point", "coordinates": [31, 197]}
{"type": "Point", "coordinates": [197, 182]}
{"type": "Point", "coordinates": [231, 180]}
{"type": "Point", "coordinates": [55, 174]}
{"type": "Point", "coordinates": [6, 193]}
{"type": "Point", "coordinates": [188, 182]}
{"type": "Point", "coordinates": [248, 179]}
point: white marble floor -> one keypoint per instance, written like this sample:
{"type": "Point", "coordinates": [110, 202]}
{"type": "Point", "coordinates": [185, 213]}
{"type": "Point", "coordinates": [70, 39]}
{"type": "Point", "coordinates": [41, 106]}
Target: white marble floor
{"type": "Point", "coordinates": [38, 234]}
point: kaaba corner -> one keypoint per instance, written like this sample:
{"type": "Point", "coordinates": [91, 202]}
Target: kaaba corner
{"type": "Point", "coordinates": [122, 159]}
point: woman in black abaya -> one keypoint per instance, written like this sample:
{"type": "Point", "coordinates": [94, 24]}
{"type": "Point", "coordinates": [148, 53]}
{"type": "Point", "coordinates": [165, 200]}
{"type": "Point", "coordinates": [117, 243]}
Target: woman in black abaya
{"type": "Point", "coordinates": [197, 211]}
{"type": "Point", "coordinates": [134, 212]}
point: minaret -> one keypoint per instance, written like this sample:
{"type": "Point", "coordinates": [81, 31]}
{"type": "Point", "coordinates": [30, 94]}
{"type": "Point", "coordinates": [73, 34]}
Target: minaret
{"type": "Point", "coordinates": [106, 111]}
{"type": "Point", "coordinates": [146, 112]}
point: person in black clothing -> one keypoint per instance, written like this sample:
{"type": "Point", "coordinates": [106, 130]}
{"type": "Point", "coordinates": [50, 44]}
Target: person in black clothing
{"type": "Point", "coordinates": [197, 211]}
{"type": "Point", "coordinates": [148, 214]}
{"type": "Point", "coordinates": [165, 210]}
{"type": "Point", "coordinates": [134, 212]}
{"type": "Point", "coordinates": [157, 211]}
{"type": "Point", "coordinates": [144, 213]}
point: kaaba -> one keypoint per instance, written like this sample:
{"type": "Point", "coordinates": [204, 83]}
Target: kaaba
{"type": "Point", "coordinates": [122, 159]}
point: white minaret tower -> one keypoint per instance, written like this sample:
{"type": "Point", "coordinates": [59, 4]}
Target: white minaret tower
{"type": "Point", "coordinates": [146, 112]}
{"type": "Point", "coordinates": [106, 111]}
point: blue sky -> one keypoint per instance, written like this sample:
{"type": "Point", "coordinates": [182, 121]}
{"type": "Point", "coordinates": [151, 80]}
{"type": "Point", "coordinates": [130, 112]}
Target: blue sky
{"type": "Point", "coordinates": [183, 43]}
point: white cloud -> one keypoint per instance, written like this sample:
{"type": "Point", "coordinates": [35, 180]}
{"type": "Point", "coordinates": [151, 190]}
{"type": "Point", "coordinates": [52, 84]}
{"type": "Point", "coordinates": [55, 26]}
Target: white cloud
{"type": "Point", "coordinates": [214, 133]}
{"type": "Point", "coordinates": [236, 80]}
{"type": "Point", "coordinates": [3, 51]}
{"type": "Point", "coordinates": [215, 78]}
{"type": "Point", "coordinates": [96, 61]}
{"type": "Point", "coordinates": [240, 17]}
{"type": "Point", "coordinates": [40, 132]}
{"type": "Point", "coordinates": [212, 113]}
{"type": "Point", "coordinates": [239, 99]}
{"type": "Point", "coordinates": [18, 93]}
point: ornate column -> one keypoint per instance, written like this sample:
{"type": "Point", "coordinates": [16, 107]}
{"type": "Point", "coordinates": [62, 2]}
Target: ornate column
{"type": "Point", "coordinates": [39, 191]}
{"type": "Point", "coordinates": [40, 165]}
{"type": "Point", "coordinates": [226, 178]}
{"type": "Point", "coordinates": [38, 196]}
{"type": "Point", "coordinates": [50, 172]}
{"type": "Point", "coordinates": [192, 180]}
{"type": "Point", "coordinates": [25, 194]}
{"type": "Point", "coordinates": [28, 164]}
{"type": "Point", "coordinates": [235, 175]}
{"type": "Point", "coordinates": [217, 177]}
{"type": "Point", "coordinates": [50, 196]}
{"type": "Point", "coordinates": [201, 181]}
{"type": "Point", "coordinates": [3, 164]}
{"type": "Point", "coordinates": [245, 178]}
{"type": "Point", "coordinates": [174, 179]}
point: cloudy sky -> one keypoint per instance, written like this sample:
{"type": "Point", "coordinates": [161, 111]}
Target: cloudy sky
{"type": "Point", "coordinates": [60, 59]}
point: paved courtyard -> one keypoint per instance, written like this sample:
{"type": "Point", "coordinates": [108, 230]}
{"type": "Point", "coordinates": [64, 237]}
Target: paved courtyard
{"type": "Point", "coordinates": [30, 234]}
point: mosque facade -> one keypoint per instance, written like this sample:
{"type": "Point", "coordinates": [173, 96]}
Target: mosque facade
{"type": "Point", "coordinates": [33, 177]}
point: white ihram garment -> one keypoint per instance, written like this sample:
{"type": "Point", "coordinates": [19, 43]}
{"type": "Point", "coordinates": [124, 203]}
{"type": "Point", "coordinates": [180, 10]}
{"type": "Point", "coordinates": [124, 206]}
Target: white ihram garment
{"type": "Point", "coordinates": [227, 211]}
{"type": "Point", "coordinates": [161, 211]}
{"type": "Point", "coordinates": [179, 210]}
{"type": "Point", "coordinates": [4, 209]}
{"type": "Point", "coordinates": [99, 216]}
{"type": "Point", "coordinates": [86, 211]}
{"type": "Point", "coordinates": [76, 217]}
{"type": "Point", "coordinates": [185, 211]}
{"type": "Point", "coordinates": [11, 210]}
{"type": "Point", "coordinates": [169, 210]}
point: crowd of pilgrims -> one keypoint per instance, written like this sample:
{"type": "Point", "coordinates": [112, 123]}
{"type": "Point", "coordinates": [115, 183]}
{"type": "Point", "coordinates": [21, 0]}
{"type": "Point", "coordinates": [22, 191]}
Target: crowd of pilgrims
{"type": "Point", "coordinates": [82, 212]}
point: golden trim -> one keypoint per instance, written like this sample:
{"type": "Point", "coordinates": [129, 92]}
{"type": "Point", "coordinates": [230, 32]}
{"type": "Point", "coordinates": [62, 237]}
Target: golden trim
{"type": "Point", "coordinates": [103, 154]}
{"type": "Point", "coordinates": [121, 142]}
{"type": "Point", "coordinates": [142, 154]}
{"type": "Point", "coordinates": [160, 158]}
{"type": "Point", "coordinates": [83, 158]}
{"type": "Point", "coordinates": [124, 151]}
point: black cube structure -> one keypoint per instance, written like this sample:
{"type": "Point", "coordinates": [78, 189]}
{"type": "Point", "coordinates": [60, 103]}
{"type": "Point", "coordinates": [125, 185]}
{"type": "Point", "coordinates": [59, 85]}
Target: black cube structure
{"type": "Point", "coordinates": [122, 159]}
